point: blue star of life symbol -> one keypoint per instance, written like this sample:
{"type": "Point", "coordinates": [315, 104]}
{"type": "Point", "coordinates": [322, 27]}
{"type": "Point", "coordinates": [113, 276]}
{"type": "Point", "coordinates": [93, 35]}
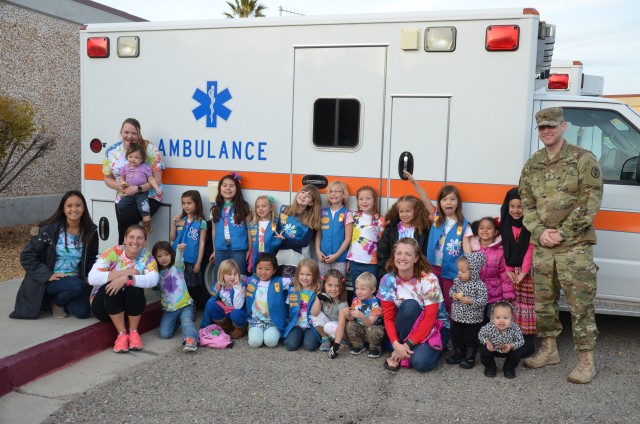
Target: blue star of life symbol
{"type": "Point", "coordinates": [212, 104]}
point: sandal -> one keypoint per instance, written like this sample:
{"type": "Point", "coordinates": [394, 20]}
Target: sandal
{"type": "Point", "coordinates": [389, 367]}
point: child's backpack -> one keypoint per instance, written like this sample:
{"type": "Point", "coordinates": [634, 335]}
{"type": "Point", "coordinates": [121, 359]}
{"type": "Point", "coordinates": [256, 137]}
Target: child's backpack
{"type": "Point", "coordinates": [214, 336]}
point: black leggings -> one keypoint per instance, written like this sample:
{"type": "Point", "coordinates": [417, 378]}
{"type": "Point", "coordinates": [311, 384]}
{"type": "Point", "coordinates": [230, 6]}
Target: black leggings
{"type": "Point", "coordinates": [131, 300]}
{"type": "Point", "coordinates": [129, 215]}
{"type": "Point", "coordinates": [465, 336]}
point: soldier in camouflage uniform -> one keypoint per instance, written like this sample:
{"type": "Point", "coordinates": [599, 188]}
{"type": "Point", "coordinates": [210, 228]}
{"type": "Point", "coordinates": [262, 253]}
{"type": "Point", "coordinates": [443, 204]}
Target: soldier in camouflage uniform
{"type": "Point", "coordinates": [561, 191]}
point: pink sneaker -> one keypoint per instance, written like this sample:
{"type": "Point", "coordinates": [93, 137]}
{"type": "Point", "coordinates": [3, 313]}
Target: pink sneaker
{"type": "Point", "coordinates": [135, 342]}
{"type": "Point", "coordinates": [122, 343]}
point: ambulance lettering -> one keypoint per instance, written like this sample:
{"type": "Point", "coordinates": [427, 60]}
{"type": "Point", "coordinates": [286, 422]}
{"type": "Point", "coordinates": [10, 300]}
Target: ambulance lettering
{"type": "Point", "coordinates": [241, 150]}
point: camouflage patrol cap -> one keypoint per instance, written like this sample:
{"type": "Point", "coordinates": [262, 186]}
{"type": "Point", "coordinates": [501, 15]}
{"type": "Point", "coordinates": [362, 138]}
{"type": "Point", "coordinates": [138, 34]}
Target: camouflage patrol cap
{"type": "Point", "coordinates": [551, 116]}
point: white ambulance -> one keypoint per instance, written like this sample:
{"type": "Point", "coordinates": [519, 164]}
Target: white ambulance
{"type": "Point", "coordinates": [449, 95]}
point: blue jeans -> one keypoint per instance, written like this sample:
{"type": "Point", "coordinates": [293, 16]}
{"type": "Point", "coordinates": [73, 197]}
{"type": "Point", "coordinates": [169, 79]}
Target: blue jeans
{"type": "Point", "coordinates": [356, 268]}
{"type": "Point", "coordinates": [214, 312]}
{"type": "Point", "coordinates": [301, 337]}
{"type": "Point", "coordinates": [169, 323]}
{"type": "Point", "coordinates": [70, 292]}
{"type": "Point", "coordinates": [424, 358]}
{"type": "Point", "coordinates": [240, 256]}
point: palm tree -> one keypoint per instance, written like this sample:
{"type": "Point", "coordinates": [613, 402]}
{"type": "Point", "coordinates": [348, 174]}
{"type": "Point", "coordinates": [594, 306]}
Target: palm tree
{"type": "Point", "coordinates": [245, 9]}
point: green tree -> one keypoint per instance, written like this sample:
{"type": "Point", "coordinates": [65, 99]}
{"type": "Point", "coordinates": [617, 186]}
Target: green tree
{"type": "Point", "coordinates": [245, 9]}
{"type": "Point", "coordinates": [21, 143]}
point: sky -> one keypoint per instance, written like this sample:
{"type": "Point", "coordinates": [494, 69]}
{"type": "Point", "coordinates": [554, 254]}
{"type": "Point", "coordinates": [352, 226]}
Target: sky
{"type": "Point", "coordinates": [603, 34]}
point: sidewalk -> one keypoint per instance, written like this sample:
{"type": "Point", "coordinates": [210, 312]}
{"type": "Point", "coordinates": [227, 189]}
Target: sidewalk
{"type": "Point", "coordinates": [34, 348]}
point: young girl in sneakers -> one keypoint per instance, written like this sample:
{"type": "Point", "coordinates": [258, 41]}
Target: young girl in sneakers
{"type": "Point", "coordinates": [190, 228]}
{"type": "Point", "coordinates": [177, 305]}
{"type": "Point", "coordinates": [302, 296]}
{"type": "Point", "coordinates": [325, 313]}
{"type": "Point", "coordinates": [265, 303]}
{"type": "Point", "coordinates": [336, 228]}
{"type": "Point", "coordinates": [226, 305]}
{"type": "Point", "coordinates": [367, 229]}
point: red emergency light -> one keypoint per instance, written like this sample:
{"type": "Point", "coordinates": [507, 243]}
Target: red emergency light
{"type": "Point", "coordinates": [558, 82]}
{"type": "Point", "coordinates": [502, 38]}
{"type": "Point", "coordinates": [98, 47]}
{"type": "Point", "coordinates": [95, 145]}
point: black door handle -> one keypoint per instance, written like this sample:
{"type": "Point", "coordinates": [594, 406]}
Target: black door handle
{"type": "Point", "coordinates": [405, 163]}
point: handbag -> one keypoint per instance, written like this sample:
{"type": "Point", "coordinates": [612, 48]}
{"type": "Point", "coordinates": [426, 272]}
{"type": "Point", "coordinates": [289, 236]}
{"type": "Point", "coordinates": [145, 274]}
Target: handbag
{"type": "Point", "coordinates": [214, 336]}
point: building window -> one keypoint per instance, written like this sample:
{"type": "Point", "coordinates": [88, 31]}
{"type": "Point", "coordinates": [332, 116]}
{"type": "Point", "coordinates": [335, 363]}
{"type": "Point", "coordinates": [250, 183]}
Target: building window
{"type": "Point", "coordinates": [336, 123]}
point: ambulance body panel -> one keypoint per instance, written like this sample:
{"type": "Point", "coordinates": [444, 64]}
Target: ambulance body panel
{"type": "Point", "coordinates": [353, 98]}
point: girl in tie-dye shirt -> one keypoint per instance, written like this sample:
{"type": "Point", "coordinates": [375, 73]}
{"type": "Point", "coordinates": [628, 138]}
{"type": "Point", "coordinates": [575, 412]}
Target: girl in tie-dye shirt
{"type": "Point", "coordinates": [177, 305]}
{"type": "Point", "coordinates": [367, 228]}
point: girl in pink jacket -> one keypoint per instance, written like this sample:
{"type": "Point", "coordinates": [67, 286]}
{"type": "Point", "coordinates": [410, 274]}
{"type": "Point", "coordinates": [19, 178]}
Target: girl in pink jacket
{"type": "Point", "coordinates": [494, 272]}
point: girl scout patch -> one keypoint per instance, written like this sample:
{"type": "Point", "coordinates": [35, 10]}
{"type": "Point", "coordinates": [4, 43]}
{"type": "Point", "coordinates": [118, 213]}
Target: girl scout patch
{"type": "Point", "coordinates": [341, 217]}
{"type": "Point", "coordinates": [276, 286]}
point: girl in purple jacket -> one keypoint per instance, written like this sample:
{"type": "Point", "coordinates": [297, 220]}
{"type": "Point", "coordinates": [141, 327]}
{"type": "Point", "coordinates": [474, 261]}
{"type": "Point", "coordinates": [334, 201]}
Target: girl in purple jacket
{"type": "Point", "coordinates": [494, 272]}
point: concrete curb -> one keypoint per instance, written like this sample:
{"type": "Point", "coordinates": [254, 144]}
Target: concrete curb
{"type": "Point", "coordinates": [30, 364]}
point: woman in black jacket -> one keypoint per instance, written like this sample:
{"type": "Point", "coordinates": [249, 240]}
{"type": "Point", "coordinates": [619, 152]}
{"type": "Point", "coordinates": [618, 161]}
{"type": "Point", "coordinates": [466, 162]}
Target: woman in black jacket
{"type": "Point", "coordinates": [57, 262]}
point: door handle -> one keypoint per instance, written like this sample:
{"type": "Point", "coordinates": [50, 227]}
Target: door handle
{"type": "Point", "coordinates": [405, 163]}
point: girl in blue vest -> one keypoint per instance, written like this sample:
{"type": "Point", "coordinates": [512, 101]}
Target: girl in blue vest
{"type": "Point", "coordinates": [263, 229]}
{"type": "Point", "coordinates": [230, 220]}
{"type": "Point", "coordinates": [446, 239]}
{"type": "Point", "coordinates": [226, 306]}
{"type": "Point", "coordinates": [297, 224]}
{"type": "Point", "coordinates": [302, 295]}
{"type": "Point", "coordinates": [266, 304]}
{"type": "Point", "coordinates": [408, 217]}
{"type": "Point", "coordinates": [336, 228]}
{"type": "Point", "coordinates": [190, 228]}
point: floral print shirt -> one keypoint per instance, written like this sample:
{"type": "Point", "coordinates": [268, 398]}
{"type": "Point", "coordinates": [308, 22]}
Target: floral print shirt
{"type": "Point", "coordinates": [116, 158]}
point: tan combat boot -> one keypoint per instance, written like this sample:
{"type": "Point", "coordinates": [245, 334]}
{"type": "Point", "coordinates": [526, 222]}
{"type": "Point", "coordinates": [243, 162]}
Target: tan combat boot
{"type": "Point", "coordinates": [584, 372]}
{"type": "Point", "coordinates": [546, 355]}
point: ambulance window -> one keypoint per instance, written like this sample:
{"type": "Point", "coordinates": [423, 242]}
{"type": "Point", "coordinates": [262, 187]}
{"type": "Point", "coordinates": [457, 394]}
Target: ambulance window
{"type": "Point", "coordinates": [336, 123]}
{"type": "Point", "coordinates": [610, 137]}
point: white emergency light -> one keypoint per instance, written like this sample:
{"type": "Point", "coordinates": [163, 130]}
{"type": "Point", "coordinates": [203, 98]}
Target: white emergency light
{"type": "Point", "coordinates": [128, 46]}
{"type": "Point", "coordinates": [440, 39]}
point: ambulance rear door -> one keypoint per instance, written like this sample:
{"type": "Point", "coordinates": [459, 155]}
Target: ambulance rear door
{"type": "Point", "coordinates": [338, 115]}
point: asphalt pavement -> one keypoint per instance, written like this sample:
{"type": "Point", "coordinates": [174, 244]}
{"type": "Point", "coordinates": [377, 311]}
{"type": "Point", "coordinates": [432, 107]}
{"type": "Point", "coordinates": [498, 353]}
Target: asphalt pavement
{"type": "Point", "coordinates": [163, 384]}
